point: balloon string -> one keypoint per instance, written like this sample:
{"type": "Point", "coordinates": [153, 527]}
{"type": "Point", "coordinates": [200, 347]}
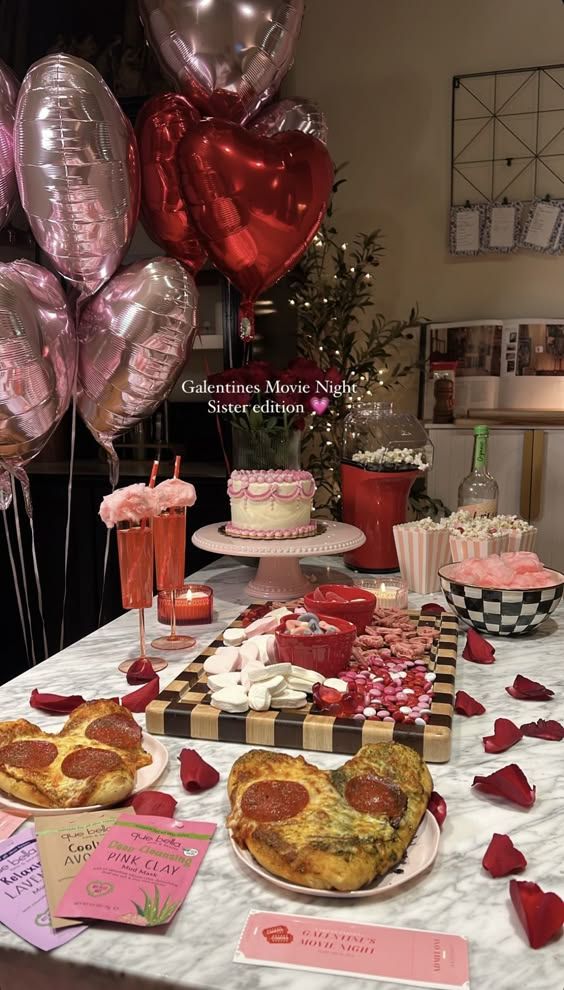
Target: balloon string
{"type": "Point", "coordinates": [69, 487]}
{"type": "Point", "coordinates": [16, 587]}
{"type": "Point", "coordinates": [22, 565]}
{"type": "Point", "coordinates": [38, 587]}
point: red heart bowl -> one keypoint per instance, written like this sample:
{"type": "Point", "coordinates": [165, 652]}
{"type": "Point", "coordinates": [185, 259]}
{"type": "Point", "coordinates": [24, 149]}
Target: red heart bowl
{"type": "Point", "coordinates": [360, 611]}
{"type": "Point", "coordinates": [327, 653]}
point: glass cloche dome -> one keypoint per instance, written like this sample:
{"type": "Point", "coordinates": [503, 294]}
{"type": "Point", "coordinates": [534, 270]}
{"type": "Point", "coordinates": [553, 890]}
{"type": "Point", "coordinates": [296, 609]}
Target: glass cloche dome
{"type": "Point", "coordinates": [378, 439]}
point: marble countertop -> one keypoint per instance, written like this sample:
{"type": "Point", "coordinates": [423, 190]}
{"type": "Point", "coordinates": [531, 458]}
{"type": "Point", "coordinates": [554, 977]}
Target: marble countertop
{"type": "Point", "coordinates": [456, 896]}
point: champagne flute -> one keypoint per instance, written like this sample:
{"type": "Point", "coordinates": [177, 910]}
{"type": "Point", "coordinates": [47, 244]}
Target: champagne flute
{"type": "Point", "coordinates": [135, 553]}
{"type": "Point", "coordinates": [169, 529]}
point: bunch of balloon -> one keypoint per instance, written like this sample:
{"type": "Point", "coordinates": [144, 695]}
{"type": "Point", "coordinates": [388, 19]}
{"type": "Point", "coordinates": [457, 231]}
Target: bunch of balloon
{"type": "Point", "coordinates": [227, 173]}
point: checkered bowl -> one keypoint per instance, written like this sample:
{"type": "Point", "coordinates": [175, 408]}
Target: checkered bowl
{"type": "Point", "coordinates": [501, 611]}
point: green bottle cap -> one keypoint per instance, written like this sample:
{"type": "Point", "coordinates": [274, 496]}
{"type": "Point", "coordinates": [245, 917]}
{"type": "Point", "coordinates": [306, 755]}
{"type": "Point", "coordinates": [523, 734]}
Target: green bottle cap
{"type": "Point", "coordinates": [481, 431]}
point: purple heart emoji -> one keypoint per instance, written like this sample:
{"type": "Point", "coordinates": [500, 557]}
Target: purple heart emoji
{"type": "Point", "coordinates": [319, 405]}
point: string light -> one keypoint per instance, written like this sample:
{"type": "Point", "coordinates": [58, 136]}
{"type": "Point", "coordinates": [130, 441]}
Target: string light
{"type": "Point", "coordinates": [353, 269]}
{"type": "Point", "coordinates": [292, 302]}
{"type": "Point", "coordinates": [320, 348]}
{"type": "Point", "coordinates": [344, 246]}
{"type": "Point", "coordinates": [325, 300]}
{"type": "Point", "coordinates": [307, 305]}
{"type": "Point", "coordinates": [368, 276]}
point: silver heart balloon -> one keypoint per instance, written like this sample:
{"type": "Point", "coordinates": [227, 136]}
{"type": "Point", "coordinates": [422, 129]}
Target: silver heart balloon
{"type": "Point", "coordinates": [135, 336]}
{"type": "Point", "coordinates": [77, 169]}
{"type": "Point", "coordinates": [9, 86]}
{"type": "Point", "coordinates": [37, 360]}
{"type": "Point", "coordinates": [228, 57]}
{"type": "Point", "coordinates": [291, 115]}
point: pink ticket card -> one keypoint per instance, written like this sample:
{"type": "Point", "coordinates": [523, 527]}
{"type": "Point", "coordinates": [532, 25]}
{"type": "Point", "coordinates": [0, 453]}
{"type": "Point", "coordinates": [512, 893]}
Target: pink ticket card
{"type": "Point", "coordinates": [140, 872]}
{"type": "Point", "coordinates": [9, 824]}
{"type": "Point", "coordinates": [374, 952]}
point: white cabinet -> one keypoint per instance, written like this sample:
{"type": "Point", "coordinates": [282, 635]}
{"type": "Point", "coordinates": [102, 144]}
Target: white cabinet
{"type": "Point", "coordinates": [528, 465]}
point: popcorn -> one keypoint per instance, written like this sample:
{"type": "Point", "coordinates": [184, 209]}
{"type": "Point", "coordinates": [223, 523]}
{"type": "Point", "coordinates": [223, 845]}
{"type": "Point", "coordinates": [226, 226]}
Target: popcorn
{"type": "Point", "coordinates": [384, 458]}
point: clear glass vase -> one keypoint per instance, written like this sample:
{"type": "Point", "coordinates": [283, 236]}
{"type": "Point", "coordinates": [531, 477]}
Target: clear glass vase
{"type": "Point", "coordinates": [264, 450]}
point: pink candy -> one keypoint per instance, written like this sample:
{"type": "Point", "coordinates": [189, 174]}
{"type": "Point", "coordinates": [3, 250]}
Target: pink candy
{"type": "Point", "coordinates": [174, 493]}
{"type": "Point", "coordinates": [519, 570]}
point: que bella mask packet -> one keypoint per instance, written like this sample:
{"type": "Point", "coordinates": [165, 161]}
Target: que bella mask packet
{"type": "Point", "coordinates": [140, 873]}
{"type": "Point", "coordinates": [65, 843]}
{"type": "Point", "coordinates": [23, 904]}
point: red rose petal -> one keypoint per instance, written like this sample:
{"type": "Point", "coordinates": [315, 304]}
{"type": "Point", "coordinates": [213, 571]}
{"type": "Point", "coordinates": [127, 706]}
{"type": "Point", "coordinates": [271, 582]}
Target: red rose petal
{"type": "Point", "coordinates": [528, 690]}
{"type": "Point", "coordinates": [509, 783]}
{"type": "Point", "coordinates": [196, 775]}
{"type": "Point", "coordinates": [506, 734]}
{"type": "Point", "coordinates": [432, 608]}
{"type": "Point", "coordinates": [141, 672]}
{"type": "Point", "coordinates": [501, 857]}
{"type": "Point", "coordinates": [477, 649]}
{"type": "Point", "coordinates": [137, 701]}
{"type": "Point", "coordinates": [544, 730]}
{"type": "Point", "coordinates": [540, 913]}
{"type": "Point", "coordinates": [55, 704]}
{"type": "Point", "coordinates": [464, 704]}
{"type": "Point", "coordinates": [438, 808]}
{"type": "Point", "coordinates": [154, 803]}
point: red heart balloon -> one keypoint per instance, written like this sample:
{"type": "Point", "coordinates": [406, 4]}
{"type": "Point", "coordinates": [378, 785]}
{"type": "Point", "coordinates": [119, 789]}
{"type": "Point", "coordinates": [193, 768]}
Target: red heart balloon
{"type": "Point", "coordinates": [257, 202]}
{"type": "Point", "coordinates": [161, 125]}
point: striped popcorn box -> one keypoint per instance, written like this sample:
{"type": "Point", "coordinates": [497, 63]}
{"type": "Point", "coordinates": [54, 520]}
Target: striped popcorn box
{"type": "Point", "coordinates": [421, 552]}
{"type": "Point", "coordinates": [522, 539]}
{"type": "Point", "coordinates": [464, 547]}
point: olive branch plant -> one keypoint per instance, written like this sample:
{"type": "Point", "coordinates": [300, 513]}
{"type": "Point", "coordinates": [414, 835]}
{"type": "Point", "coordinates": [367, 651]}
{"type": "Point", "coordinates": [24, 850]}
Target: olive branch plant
{"type": "Point", "coordinates": [332, 291]}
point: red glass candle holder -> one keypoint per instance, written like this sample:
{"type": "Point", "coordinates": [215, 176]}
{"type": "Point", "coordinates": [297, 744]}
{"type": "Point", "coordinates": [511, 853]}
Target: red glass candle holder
{"type": "Point", "coordinates": [194, 605]}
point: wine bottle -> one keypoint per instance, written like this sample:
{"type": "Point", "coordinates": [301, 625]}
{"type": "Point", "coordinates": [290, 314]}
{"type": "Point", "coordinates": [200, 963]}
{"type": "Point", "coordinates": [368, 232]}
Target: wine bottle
{"type": "Point", "coordinates": [478, 494]}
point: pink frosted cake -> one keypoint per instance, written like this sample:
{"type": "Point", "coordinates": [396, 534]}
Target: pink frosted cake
{"type": "Point", "coordinates": [271, 505]}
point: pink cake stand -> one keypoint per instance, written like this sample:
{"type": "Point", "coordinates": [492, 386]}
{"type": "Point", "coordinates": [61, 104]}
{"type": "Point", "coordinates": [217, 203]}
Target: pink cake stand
{"type": "Point", "coordinates": [279, 575]}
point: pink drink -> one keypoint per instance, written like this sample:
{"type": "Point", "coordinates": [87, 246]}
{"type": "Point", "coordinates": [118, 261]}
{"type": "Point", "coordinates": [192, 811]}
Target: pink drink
{"type": "Point", "coordinates": [170, 548]}
{"type": "Point", "coordinates": [135, 551]}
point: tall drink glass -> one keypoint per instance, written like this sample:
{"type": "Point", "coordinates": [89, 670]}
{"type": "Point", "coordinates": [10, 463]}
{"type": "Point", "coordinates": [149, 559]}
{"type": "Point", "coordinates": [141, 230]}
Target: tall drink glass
{"type": "Point", "coordinates": [135, 553]}
{"type": "Point", "coordinates": [169, 532]}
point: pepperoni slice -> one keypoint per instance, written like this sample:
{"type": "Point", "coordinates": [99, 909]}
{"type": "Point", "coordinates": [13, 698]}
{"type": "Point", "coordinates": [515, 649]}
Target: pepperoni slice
{"type": "Point", "coordinates": [274, 800]}
{"type": "Point", "coordinates": [373, 796]}
{"type": "Point", "coordinates": [115, 730]}
{"type": "Point", "coordinates": [28, 754]}
{"type": "Point", "coordinates": [83, 763]}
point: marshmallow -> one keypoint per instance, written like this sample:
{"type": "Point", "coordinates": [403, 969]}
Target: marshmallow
{"type": "Point", "coordinates": [266, 673]}
{"type": "Point", "coordinates": [230, 699]}
{"type": "Point", "coordinates": [234, 637]}
{"type": "Point", "coordinates": [218, 681]}
{"type": "Point", "coordinates": [313, 676]}
{"type": "Point", "coordinates": [336, 684]}
{"type": "Point", "coordinates": [259, 697]}
{"type": "Point", "coordinates": [223, 661]}
{"type": "Point", "coordinates": [245, 673]}
{"type": "Point", "coordinates": [289, 699]}
{"type": "Point", "coordinates": [274, 684]}
{"type": "Point", "coordinates": [249, 651]}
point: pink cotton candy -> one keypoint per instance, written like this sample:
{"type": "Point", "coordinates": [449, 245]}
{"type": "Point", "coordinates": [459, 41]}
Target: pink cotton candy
{"type": "Point", "coordinates": [522, 561]}
{"type": "Point", "coordinates": [518, 571]}
{"type": "Point", "coordinates": [130, 504]}
{"type": "Point", "coordinates": [174, 493]}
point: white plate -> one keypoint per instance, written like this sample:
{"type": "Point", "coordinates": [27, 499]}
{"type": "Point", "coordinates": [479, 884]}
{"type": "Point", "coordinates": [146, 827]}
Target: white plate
{"type": "Point", "coordinates": [420, 855]}
{"type": "Point", "coordinates": [144, 778]}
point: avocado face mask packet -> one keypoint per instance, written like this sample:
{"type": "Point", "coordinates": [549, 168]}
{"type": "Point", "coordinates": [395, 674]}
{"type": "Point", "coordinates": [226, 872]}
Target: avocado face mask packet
{"type": "Point", "coordinates": [65, 843]}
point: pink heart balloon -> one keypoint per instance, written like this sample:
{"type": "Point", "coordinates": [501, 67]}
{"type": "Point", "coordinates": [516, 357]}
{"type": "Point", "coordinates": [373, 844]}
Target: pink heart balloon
{"type": "Point", "coordinates": [9, 86]}
{"type": "Point", "coordinates": [135, 337]}
{"type": "Point", "coordinates": [77, 169]}
{"type": "Point", "coordinates": [37, 353]}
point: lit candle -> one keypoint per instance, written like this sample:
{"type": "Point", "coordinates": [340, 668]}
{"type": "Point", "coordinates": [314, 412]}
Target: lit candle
{"type": "Point", "coordinates": [194, 604]}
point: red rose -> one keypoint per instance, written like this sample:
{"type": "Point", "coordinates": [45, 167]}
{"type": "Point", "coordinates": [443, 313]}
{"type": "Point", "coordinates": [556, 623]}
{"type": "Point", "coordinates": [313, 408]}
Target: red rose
{"type": "Point", "coordinates": [295, 395]}
{"type": "Point", "coordinates": [259, 373]}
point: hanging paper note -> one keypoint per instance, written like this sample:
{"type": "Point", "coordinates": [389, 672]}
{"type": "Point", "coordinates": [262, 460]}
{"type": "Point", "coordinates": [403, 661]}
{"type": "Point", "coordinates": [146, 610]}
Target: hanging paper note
{"type": "Point", "coordinates": [23, 904]}
{"type": "Point", "coordinates": [465, 229]}
{"type": "Point", "coordinates": [502, 227]}
{"type": "Point", "coordinates": [140, 873]}
{"type": "Point", "coordinates": [542, 226]}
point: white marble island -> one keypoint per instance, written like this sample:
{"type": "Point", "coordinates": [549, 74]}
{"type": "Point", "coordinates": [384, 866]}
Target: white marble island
{"type": "Point", "coordinates": [457, 896]}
